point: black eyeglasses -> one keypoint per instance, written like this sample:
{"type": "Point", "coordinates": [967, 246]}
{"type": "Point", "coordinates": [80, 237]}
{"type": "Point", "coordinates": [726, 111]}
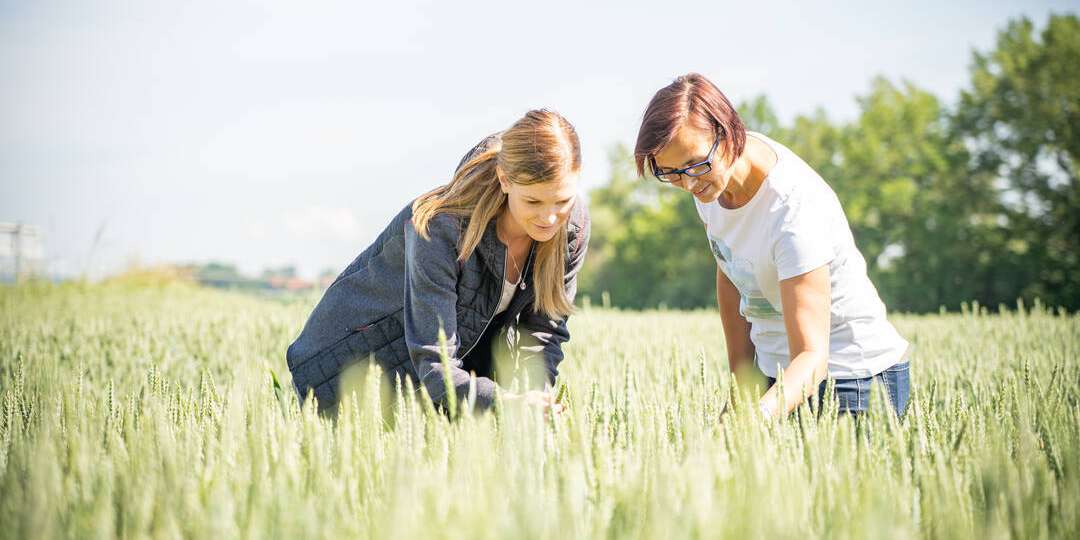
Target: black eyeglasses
{"type": "Point", "coordinates": [696, 169]}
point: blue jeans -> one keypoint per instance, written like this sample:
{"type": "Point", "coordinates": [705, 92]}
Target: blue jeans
{"type": "Point", "coordinates": [853, 395]}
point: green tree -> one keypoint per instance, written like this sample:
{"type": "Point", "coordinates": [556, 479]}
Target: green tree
{"type": "Point", "coordinates": [947, 206]}
{"type": "Point", "coordinates": [1021, 118]}
{"type": "Point", "coordinates": [911, 204]}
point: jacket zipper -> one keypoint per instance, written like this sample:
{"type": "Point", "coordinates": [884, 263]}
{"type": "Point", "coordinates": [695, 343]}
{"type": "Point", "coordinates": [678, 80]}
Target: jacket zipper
{"type": "Point", "coordinates": [506, 252]}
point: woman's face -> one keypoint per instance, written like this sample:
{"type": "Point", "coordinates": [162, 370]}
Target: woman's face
{"type": "Point", "coordinates": [691, 145]}
{"type": "Point", "coordinates": [540, 209]}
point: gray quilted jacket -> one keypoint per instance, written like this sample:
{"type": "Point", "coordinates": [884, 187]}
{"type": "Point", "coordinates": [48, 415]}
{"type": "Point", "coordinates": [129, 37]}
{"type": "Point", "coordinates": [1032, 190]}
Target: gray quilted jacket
{"type": "Point", "coordinates": [388, 303]}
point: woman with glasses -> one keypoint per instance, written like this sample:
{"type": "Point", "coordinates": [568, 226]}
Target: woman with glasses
{"type": "Point", "coordinates": [794, 296]}
{"type": "Point", "coordinates": [494, 253]}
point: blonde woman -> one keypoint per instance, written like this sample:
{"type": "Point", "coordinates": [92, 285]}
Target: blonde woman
{"type": "Point", "coordinates": [490, 257]}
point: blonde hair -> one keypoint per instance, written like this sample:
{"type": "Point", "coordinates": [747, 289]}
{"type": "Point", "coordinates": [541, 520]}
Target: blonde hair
{"type": "Point", "coordinates": [540, 147]}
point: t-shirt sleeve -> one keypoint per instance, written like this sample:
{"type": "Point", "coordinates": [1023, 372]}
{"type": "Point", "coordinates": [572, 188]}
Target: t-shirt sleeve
{"type": "Point", "coordinates": [805, 240]}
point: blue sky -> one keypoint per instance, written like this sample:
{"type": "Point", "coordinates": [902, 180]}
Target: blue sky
{"type": "Point", "coordinates": [278, 133]}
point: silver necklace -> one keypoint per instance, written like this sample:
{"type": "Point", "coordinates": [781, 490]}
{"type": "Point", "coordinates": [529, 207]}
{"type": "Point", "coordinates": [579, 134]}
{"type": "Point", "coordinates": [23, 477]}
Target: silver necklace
{"type": "Point", "coordinates": [518, 269]}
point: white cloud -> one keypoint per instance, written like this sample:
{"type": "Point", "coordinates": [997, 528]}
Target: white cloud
{"type": "Point", "coordinates": [256, 230]}
{"type": "Point", "coordinates": [314, 222]}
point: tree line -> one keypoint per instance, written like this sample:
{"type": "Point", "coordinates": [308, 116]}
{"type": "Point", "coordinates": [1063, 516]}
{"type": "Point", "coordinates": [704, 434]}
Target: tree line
{"type": "Point", "coordinates": [976, 199]}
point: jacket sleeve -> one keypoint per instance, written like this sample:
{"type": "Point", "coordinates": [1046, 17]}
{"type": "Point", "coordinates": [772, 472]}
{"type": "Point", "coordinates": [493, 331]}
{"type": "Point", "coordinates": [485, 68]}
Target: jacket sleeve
{"type": "Point", "coordinates": [431, 273]}
{"type": "Point", "coordinates": [541, 336]}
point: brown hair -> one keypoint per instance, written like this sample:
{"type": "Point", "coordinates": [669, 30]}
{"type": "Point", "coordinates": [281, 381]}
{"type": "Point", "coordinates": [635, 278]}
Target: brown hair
{"type": "Point", "coordinates": [690, 99]}
{"type": "Point", "coordinates": [540, 147]}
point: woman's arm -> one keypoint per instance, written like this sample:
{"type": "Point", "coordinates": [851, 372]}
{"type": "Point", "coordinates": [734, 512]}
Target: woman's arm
{"type": "Point", "coordinates": [806, 306]}
{"type": "Point", "coordinates": [431, 273]}
{"type": "Point", "coordinates": [740, 350]}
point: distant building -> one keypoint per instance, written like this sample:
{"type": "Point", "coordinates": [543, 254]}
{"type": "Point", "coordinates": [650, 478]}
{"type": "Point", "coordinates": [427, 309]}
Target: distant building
{"type": "Point", "coordinates": [285, 279]}
{"type": "Point", "coordinates": [273, 281]}
{"type": "Point", "coordinates": [288, 283]}
{"type": "Point", "coordinates": [326, 278]}
{"type": "Point", "coordinates": [224, 276]}
{"type": "Point", "coordinates": [22, 254]}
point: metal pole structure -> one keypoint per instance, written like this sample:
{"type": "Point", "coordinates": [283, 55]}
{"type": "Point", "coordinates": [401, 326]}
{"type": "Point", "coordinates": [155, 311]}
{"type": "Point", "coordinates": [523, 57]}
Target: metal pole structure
{"type": "Point", "coordinates": [22, 252]}
{"type": "Point", "coordinates": [16, 246]}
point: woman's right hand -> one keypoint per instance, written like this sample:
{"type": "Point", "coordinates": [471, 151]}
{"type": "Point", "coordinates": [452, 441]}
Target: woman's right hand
{"type": "Point", "coordinates": [541, 399]}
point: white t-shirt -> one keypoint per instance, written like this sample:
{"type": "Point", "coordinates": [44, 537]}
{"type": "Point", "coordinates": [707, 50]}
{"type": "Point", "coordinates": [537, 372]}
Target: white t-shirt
{"type": "Point", "coordinates": [507, 295]}
{"type": "Point", "coordinates": [792, 225]}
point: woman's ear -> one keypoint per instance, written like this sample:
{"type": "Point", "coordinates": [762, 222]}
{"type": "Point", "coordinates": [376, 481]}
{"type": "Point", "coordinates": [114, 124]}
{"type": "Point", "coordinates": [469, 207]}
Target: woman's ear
{"type": "Point", "coordinates": [504, 185]}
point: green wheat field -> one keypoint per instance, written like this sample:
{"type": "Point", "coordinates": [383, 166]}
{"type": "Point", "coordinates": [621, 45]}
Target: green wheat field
{"type": "Point", "coordinates": [150, 410]}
